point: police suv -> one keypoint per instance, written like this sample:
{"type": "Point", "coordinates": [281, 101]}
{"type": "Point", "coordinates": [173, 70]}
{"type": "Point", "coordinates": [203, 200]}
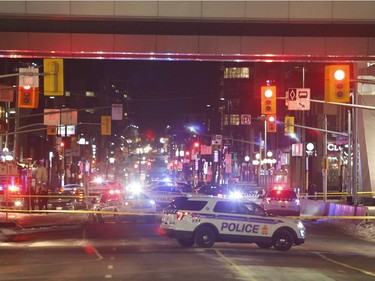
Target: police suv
{"type": "Point", "coordinates": [205, 220]}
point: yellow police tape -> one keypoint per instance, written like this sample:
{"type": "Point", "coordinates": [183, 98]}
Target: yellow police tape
{"type": "Point", "coordinates": [302, 217]}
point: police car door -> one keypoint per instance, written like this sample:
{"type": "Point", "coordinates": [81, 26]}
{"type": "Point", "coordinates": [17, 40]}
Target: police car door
{"type": "Point", "coordinates": [237, 219]}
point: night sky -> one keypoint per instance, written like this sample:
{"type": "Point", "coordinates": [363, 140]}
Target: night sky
{"type": "Point", "coordinates": [159, 92]}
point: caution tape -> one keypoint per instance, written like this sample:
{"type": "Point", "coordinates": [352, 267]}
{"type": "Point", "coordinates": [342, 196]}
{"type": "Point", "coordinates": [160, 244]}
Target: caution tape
{"type": "Point", "coordinates": [304, 218]}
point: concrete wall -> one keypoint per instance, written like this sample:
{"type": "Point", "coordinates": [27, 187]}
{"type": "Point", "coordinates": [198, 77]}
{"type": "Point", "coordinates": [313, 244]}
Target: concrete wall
{"type": "Point", "coordinates": [337, 11]}
{"type": "Point", "coordinates": [17, 40]}
{"type": "Point", "coordinates": [315, 208]}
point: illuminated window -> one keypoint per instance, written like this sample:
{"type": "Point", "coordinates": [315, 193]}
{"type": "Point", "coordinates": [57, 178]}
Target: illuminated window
{"type": "Point", "coordinates": [236, 72]}
{"type": "Point", "coordinates": [234, 120]}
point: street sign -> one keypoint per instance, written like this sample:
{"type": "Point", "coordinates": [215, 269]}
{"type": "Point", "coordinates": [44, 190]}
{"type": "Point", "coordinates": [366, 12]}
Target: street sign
{"type": "Point", "coordinates": [6, 93]}
{"type": "Point", "coordinates": [298, 99]}
{"type": "Point", "coordinates": [245, 119]}
{"type": "Point", "coordinates": [227, 141]}
{"type": "Point", "coordinates": [217, 139]}
{"type": "Point", "coordinates": [28, 77]}
{"type": "Point", "coordinates": [117, 112]}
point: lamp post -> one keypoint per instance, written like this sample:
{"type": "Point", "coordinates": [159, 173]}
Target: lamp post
{"type": "Point", "coordinates": [247, 171]}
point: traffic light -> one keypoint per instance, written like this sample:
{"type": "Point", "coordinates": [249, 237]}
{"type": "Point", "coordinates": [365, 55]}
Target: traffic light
{"type": "Point", "coordinates": [289, 125]}
{"type": "Point", "coordinates": [53, 77]}
{"type": "Point", "coordinates": [268, 99]}
{"type": "Point", "coordinates": [196, 145]}
{"type": "Point", "coordinates": [28, 97]}
{"type": "Point", "coordinates": [337, 83]}
{"type": "Point", "coordinates": [106, 127]}
{"type": "Point", "coordinates": [271, 123]}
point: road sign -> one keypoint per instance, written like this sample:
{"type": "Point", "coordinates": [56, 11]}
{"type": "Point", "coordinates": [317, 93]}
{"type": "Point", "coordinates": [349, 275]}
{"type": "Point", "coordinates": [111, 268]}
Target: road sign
{"type": "Point", "coordinates": [227, 141]}
{"type": "Point", "coordinates": [298, 99]}
{"type": "Point", "coordinates": [6, 93]}
{"type": "Point", "coordinates": [117, 112]}
{"type": "Point", "coordinates": [245, 119]}
{"type": "Point", "coordinates": [217, 139]}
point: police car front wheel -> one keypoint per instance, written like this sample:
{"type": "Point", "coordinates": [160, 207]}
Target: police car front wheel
{"type": "Point", "coordinates": [205, 237]}
{"type": "Point", "coordinates": [283, 240]}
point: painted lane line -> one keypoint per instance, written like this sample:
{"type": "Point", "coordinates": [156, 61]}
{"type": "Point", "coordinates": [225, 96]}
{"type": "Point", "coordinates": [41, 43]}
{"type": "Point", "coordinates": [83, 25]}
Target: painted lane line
{"type": "Point", "coordinates": [345, 265]}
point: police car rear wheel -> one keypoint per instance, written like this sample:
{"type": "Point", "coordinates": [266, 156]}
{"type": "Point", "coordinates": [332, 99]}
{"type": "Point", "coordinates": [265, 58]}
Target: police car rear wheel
{"type": "Point", "coordinates": [283, 240]}
{"type": "Point", "coordinates": [188, 242]}
{"type": "Point", "coordinates": [205, 237]}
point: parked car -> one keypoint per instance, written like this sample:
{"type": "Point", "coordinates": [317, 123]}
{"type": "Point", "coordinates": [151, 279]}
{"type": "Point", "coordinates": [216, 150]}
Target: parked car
{"type": "Point", "coordinates": [164, 194]}
{"type": "Point", "coordinates": [284, 202]}
{"type": "Point", "coordinates": [213, 190]}
{"type": "Point", "coordinates": [115, 205]}
{"type": "Point", "coordinates": [10, 197]}
{"type": "Point", "coordinates": [66, 200]}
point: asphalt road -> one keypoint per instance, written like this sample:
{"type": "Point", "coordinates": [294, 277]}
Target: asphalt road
{"type": "Point", "coordinates": [137, 252]}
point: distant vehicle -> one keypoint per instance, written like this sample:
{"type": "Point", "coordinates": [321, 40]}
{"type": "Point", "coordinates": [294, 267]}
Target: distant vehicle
{"type": "Point", "coordinates": [283, 202]}
{"type": "Point", "coordinates": [99, 186]}
{"type": "Point", "coordinates": [71, 187]}
{"type": "Point", "coordinates": [66, 200]}
{"type": "Point", "coordinates": [10, 197]}
{"type": "Point", "coordinates": [164, 194]}
{"type": "Point", "coordinates": [248, 191]}
{"type": "Point", "coordinates": [183, 186]}
{"type": "Point", "coordinates": [115, 205]}
{"type": "Point", "coordinates": [213, 190]}
{"type": "Point", "coordinates": [202, 221]}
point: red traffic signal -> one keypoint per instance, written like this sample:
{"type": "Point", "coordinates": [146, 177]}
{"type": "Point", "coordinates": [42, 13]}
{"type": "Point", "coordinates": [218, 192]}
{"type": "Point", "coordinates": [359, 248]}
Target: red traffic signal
{"type": "Point", "coordinates": [337, 83]}
{"type": "Point", "coordinates": [271, 123]}
{"type": "Point", "coordinates": [28, 97]}
{"type": "Point", "coordinates": [268, 100]}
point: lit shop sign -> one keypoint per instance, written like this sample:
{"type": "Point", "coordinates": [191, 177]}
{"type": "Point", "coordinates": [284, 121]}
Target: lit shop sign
{"type": "Point", "coordinates": [331, 147]}
{"type": "Point", "coordinates": [66, 130]}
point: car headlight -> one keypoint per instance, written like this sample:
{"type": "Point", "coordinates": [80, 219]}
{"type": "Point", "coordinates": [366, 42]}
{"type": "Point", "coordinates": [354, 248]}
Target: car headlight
{"type": "Point", "coordinates": [235, 195]}
{"type": "Point", "coordinates": [18, 203]}
{"type": "Point", "coordinates": [152, 202]}
{"type": "Point", "coordinates": [300, 225]}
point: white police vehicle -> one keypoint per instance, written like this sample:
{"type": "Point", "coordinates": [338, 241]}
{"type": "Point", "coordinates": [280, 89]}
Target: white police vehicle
{"type": "Point", "coordinates": [164, 194]}
{"type": "Point", "coordinates": [114, 205]}
{"type": "Point", "coordinates": [204, 221]}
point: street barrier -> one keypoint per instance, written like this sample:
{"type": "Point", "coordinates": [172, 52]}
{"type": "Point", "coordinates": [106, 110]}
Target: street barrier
{"type": "Point", "coordinates": [310, 209]}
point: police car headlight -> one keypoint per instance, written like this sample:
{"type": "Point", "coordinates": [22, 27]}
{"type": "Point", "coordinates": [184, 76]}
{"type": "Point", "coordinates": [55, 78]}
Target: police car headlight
{"type": "Point", "coordinates": [300, 225]}
{"type": "Point", "coordinates": [235, 195]}
{"type": "Point", "coordinates": [18, 203]}
{"type": "Point", "coordinates": [152, 202]}
{"type": "Point", "coordinates": [135, 188]}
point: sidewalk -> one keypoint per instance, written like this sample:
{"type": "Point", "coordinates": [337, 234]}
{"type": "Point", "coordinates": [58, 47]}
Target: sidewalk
{"type": "Point", "coordinates": [36, 219]}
